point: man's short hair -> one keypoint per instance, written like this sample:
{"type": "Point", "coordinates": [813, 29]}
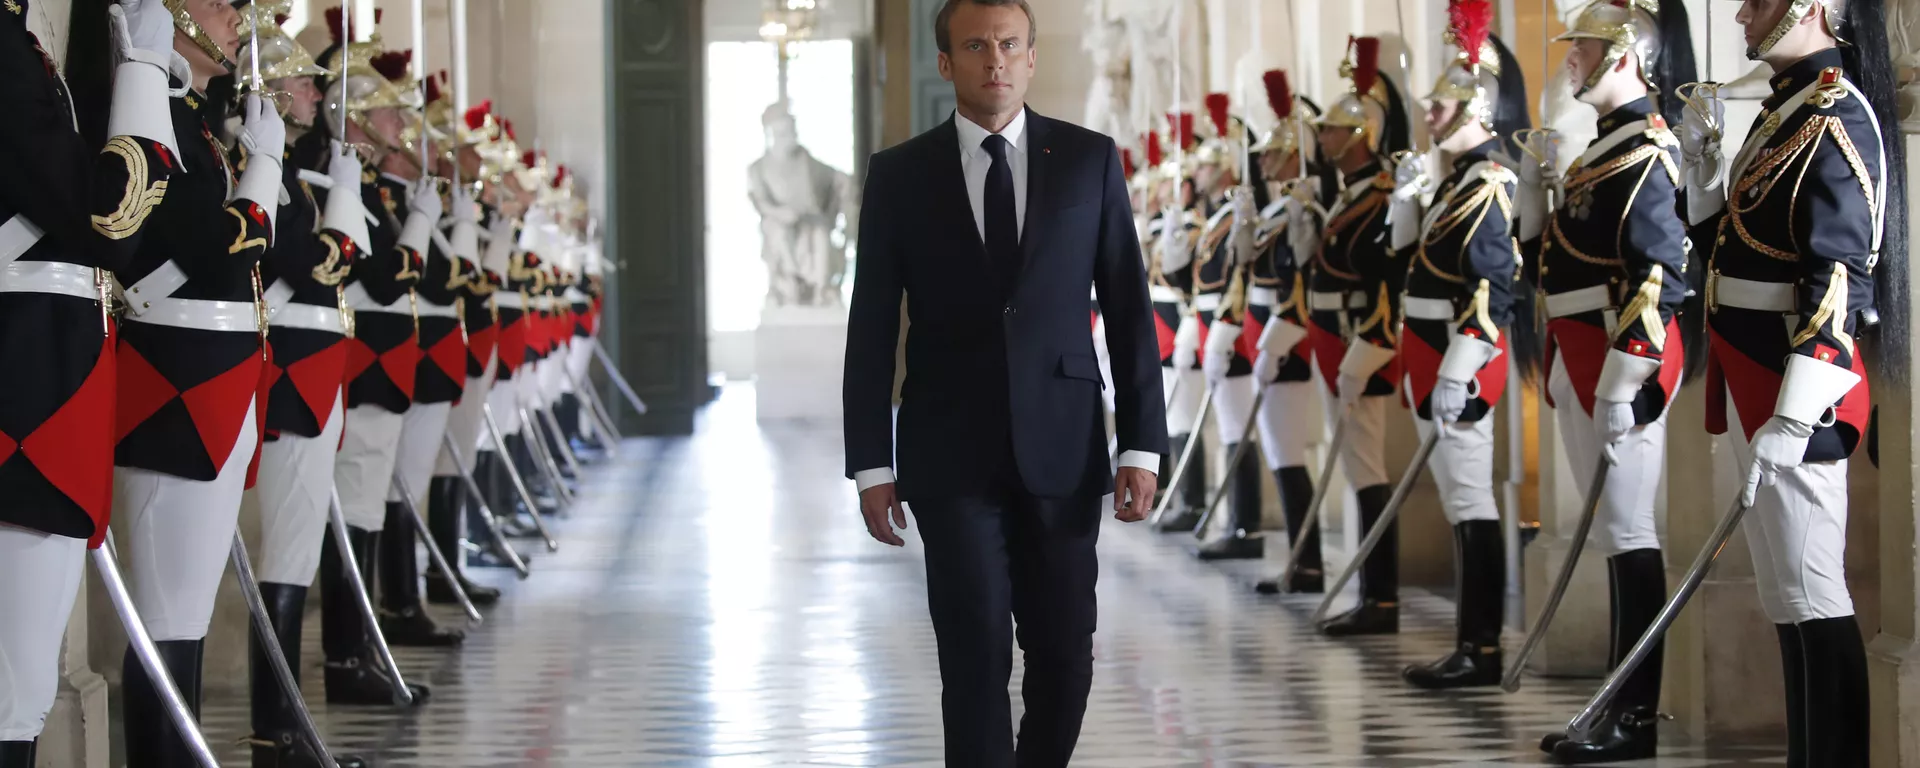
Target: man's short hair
{"type": "Point", "coordinates": [945, 17]}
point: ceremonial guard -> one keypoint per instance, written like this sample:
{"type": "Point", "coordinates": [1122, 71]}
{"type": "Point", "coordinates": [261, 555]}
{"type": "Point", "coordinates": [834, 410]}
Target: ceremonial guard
{"type": "Point", "coordinates": [1611, 262]}
{"type": "Point", "coordinates": [70, 216]}
{"type": "Point", "coordinates": [1175, 232]}
{"type": "Point", "coordinates": [1459, 306]}
{"type": "Point", "coordinates": [1808, 224]}
{"type": "Point", "coordinates": [1353, 294]}
{"type": "Point", "coordinates": [305, 274]}
{"type": "Point", "coordinates": [190, 364]}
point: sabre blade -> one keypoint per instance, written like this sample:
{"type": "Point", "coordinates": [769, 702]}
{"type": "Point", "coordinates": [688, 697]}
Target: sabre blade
{"type": "Point", "coordinates": [1383, 524]}
{"type": "Point", "coordinates": [1312, 520]}
{"type": "Point", "coordinates": [500, 543]}
{"type": "Point", "coordinates": [536, 440]}
{"type": "Point", "coordinates": [148, 654]}
{"type": "Point", "coordinates": [276, 658]}
{"type": "Point", "coordinates": [349, 562]}
{"type": "Point", "coordinates": [1537, 631]}
{"type": "Point", "coordinates": [513, 474]}
{"type": "Point", "coordinates": [1239, 450]}
{"type": "Point", "coordinates": [433, 550]}
{"type": "Point", "coordinates": [1186, 459]}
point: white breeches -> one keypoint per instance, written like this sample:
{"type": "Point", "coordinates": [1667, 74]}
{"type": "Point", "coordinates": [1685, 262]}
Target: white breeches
{"type": "Point", "coordinates": [1462, 464]}
{"type": "Point", "coordinates": [551, 371]}
{"type": "Point", "coordinates": [39, 577]}
{"type": "Point", "coordinates": [1286, 431]}
{"type": "Point", "coordinates": [296, 480]}
{"type": "Point", "coordinates": [179, 532]}
{"type": "Point", "coordinates": [1185, 404]}
{"type": "Point", "coordinates": [1105, 359]}
{"type": "Point", "coordinates": [504, 399]}
{"type": "Point", "coordinates": [579, 355]}
{"type": "Point", "coordinates": [364, 468]}
{"type": "Point", "coordinates": [1364, 456]}
{"type": "Point", "coordinates": [1797, 530]}
{"type": "Point", "coordinates": [420, 432]}
{"type": "Point", "coordinates": [466, 423]}
{"type": "Point", "coordinates": [1232, 408]}
{"type": "Point", "coordinates": [1623, 521]}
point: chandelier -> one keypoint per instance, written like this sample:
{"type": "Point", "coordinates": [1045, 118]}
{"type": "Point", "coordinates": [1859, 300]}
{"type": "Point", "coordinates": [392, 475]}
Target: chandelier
{"type": "Point", "coordinates": [785, 21]}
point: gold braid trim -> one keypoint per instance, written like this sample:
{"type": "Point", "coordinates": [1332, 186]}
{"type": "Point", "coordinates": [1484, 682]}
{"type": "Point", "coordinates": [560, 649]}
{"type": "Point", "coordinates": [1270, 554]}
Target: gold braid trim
{"type": "Point", "coordinates": [139, 198]}
{"type": "Point", "coordinates": [1382, 317]}
{"type": "Point", "coordinates": [1645, 308]}
{"type": "Point", "coordinates": [240, 242]}
{"type": "Point", "coordinates": [1768, 173]}
{"type": "Point", "coordinates": [1477, 308]}
{"type": "Point", "coordinates": [328, 272]}
{"type": "Point", "coordinates": [1832, 311]}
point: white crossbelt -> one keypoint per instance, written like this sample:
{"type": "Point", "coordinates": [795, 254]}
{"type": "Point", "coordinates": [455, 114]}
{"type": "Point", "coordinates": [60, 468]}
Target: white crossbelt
{"type": "Point", "coordinates": [1418, 308]}
{"type": "Point", "coordinates": [310, 316]}
{"type": "Point", "coordinates": [509, 300]}
{"type": "Point", "coordinates": [1751, 294]}
{"type": "Point", "coordinates": [1264, 297]}
{"type": "Point", "coordinates": [277, 295]}
{"type": "Point", "coordinates": [1163, 294]}
{"type": "Point", "coordinates": [151, 301]}
{"type": "Point", "coordinates": [430, 309]}
{"type": "Point", "coordinates": [1207, 302]}
{"type": "Point", "coordinates": [360, 301]}
{"type": "Point", "coordinates": [1332, 301]}
{"type": "Point", "coordinates": [1592, 298]}
{"type": "Point", "coordinates": [57, 277]}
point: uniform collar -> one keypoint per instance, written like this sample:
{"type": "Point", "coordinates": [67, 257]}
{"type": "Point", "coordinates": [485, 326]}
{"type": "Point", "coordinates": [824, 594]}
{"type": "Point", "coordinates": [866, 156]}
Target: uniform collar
{"type": "Point", "coordinates": [1799, 74]}
{"type": "Point", "coordinates": [1638, 109]}
{"type": "Point", "coordinates": [971, 134]}
{"type": "Point", "coordinates": [1368, 171]}
{"type": "Point", "coordinates": [1476, 154]}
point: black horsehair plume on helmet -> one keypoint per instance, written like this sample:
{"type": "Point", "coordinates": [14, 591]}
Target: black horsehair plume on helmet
{"type": "Point", "coordinates": [1527, 344]}
{"type": "Point", "coordinates": [1396, 132]}
{"type": "Point", "coordinates": [1510, 107]}
{"type": "Point", "coordinates": [1675, 65]}
{"type": "Point", "coordinates": [1869, 63]}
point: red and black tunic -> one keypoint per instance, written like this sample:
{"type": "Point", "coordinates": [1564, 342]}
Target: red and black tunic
{"type": "Point", "coordinates": [305, 275]}
{"type": "Point", "coordinates": [1354, 284]}
{"type": "Point", "coordinates": [1220, 288]}
{"type": "Point", "coordinates": [442, 373]}
{"type": "Point", "coordinates": [383, 358]}
{"type": "Point", "coordinates": [1279, 287]}
{"type": "Point", "coordinates": [1460, 277]}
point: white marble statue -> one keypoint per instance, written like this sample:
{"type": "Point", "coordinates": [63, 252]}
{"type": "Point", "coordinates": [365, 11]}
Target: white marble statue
{"type": "Point", "coordinates": [808, 214]}
{"type": "Point", "coordinates": [1151, 35]}
{"type": "Point", "coordinates": [1107, 47]}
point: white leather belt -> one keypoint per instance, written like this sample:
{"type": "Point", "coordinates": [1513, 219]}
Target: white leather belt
{"type": "Point", "coordinates": [1750, 294]}
{"type": "Point", "coordinates": [159, 284]}
{"type": "Point", "coordinates": [1592, 298]}
{"type": "Point", "coordinates": [509, 300]}
{"type": "Point", "coordinates": [1334, 301]}
{"type": "Point", "coordinates": [17, 235]}
{"type": "Point", "coordinates": [543, 303]}
{"type": "Point", "coordinates": [574, 295]}
{"type": "Point", "coordinates": [358, 299]}
{"type": "Point", "coordinates": [430, 309]}
{"type": "Point", "coordinates": [1265, 297]}
{"type": "Point", "coordinates": [1207, 302]}
{"type": "Point", "coordinates": [310, 316]}
{"type": "Point", "coordinates": [277, 296]}
{"type": "Point", "coordinates": [49, 277]}
{"type": "Point", "coordinates": [1163, 294]}
{"type": "Point", "coordinates": [201, 314]}
{"type": "Point", "coordinates": [1417, 308]}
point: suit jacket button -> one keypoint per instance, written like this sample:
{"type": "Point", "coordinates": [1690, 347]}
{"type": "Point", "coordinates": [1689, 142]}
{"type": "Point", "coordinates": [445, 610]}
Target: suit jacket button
{"type": "Point", "coordinates": [1008, 311]}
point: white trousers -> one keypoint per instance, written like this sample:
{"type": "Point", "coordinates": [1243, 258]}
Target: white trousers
{"type": "Point", "coordinates": [579, 355]}
{"type": "Point", "coordinates": [179, 532]}
{"type": "Point", "coordinates": [1364, 456]}
{"type": "Point", "coordinates": [1232, 408]}
{"type": "Point", "coordinates": [1462, 464]}
{"type": "Point", "coordinates": [504, 397]}
{"type": "Point", "coordinates": [1185, 404]}
{"type": "Point", "coordinates": [296, 481]}
{"type": "Point", "coordinates": [39, 578]}
{"type": "Point", "coordinates": [1286, 431]}
{"type": "Point", "coordinates": [420, 432]}
{"type": "Point", "coordinates": [364, 469]}
{"type": "Point", "coordinates": [1623, 521]}
{"type": "Point", "coordinates": [466, 423]}
{"type": "Point", "coordinates": [1797, 530]}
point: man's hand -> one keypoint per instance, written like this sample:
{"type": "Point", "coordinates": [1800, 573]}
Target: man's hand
{"type": "Point", "coordinates": [877, 505]}
{"type": "Point", "coordinates": [1133, 490]}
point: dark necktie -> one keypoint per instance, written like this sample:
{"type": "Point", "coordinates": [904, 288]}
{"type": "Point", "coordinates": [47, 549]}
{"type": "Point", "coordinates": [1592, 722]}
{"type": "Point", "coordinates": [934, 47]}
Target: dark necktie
{"type": "Point", "coordinates": [1003, 225]}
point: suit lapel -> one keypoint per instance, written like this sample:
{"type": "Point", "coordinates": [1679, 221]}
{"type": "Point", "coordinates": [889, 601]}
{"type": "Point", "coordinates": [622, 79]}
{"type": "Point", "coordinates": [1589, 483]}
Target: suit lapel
{"type": "Point", "coordinates": [1038, 160]}
{"type": "Point", "coordinates": [950, 184]}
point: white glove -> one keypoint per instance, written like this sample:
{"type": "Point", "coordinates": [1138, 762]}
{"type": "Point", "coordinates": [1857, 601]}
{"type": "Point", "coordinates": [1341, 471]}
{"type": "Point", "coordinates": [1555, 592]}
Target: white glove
{"type": "Point", "coordinates": [1266, 367]}
{"type": "Point", "coordinates": [1221, 337]}
{"type": "Point", "coordinates": [1615, 420]}
{"type": "Point", "coordinates": [1537, 175]}
{"type": "Point", "coordinates": [424, 199]}
{"type": "Point", "coordinates": [1186, 342]}
{"type": "Point", "coordinates": [344, 170]}
{"type": "Point", "coordinates": [346, 213]}
{"type": "Point", "coordinates": [1404, 213]}
{"type": "Point", "coordinates": [1303, 229]}
{"type": "Point", "coordinates": [423, 216]}
{"type": "Point", "coordinates": [1175, 250]}
{"type": "Point", "coordinates": [1410, 178]}
{"type": "Point", "coordinates": [1241, 248]}
{"type": "Point", "coordinates": [1778, 446]}
{"type": "Point", "coordinates": [1351, 388]}
{"type": "Point", "coordinates": [463, 209]}
{"type": "Point", "coordinates": [263, 133]}
{"type": "Point", "coordinates": [144, 30]}
{"type": "Point", "coordinates": [1448, 401]}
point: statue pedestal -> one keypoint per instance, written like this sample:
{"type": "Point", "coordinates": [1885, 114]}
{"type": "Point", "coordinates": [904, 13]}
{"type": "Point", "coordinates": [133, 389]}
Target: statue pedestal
{"type": "Point", "coordinates": [797, 360]}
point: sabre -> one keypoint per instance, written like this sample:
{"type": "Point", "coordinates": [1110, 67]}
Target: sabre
{"type": "Point", "coordinates": [1583, 723]}
{"type": "Point", "coordinates": [277, 659]}
{"type": "Point", "coordinates": [486, 513]}
{"type": "Point", "coordinates": [1311, 521]}
{"type": "Point", "coordinates": [346, 53]}
{"type": "Point", "coordinates": [1382, 525]}
{"type": "Point", "coordinates": [603, 421]}
{"type": "Point", "coordinates": [536, 439]}
{"type": "Point", "coordinates": [1239, 450]}
{"type": "Point", "coordinates": [560, 438]}
{"type": "Point", "coordinates": [620, 381]}
{"type": "Point", "coordinates": [1186, 459]}
{"type": "Point", "coordinates": [433, 550]}
{"type": "Point", "coordinates": [420, 65]}
{"type": "Point", "coordinates": [184, 722]}
{"type": "Point", "coordinates": [259, 83]}
{"type": "Point", "coordinates": [402, 694]}
{"type": "Point", "coordinates": [1537, 631]}
{"type": "Point", "coordinates": [513, 473]}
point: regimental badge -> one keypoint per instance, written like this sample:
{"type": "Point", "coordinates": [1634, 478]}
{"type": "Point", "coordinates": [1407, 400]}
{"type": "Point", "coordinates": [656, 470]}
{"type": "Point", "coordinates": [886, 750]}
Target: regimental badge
{"type": "Point", "coordinates": [14, 7]}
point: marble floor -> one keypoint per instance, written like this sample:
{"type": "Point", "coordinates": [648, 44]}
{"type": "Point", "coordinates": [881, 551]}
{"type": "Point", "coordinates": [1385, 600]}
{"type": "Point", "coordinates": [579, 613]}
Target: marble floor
{"type": "Point", "coordinates": [716, 602]}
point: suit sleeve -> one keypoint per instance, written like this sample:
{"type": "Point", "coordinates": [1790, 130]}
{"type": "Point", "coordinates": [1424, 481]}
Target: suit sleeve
{"type": "Point", "coordinates": [1652, 247]}
{"type": "Point", "coordinates": [873, 329]}
{"type": "Point", "coordinates": [1833, 230]}
{"type": "Point", "coordinates": [1120, 283]}
{"type": "Point", "coordinates": [1488, 267]}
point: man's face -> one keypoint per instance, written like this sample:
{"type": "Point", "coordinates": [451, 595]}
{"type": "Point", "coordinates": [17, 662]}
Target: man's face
{"type": "Point", "coordinates": [1334, 141]}
{"type": "Point", "coordinates": [303, 99]}
{"type": "Point", "coordinates": [1759, 17]}
{"type": "Point", "coordinates": [991, 59]}
{"type": "Point", "coordinates": [388, 124]}
{"type": "Point", "coordinates": [1584, 57]}
{"type": "Point", "coordinates": [221, 23]}
{"type": "Point", "coordinates": [1279, 166]}
{"type": "Point", "coordinates": [1440, 114]}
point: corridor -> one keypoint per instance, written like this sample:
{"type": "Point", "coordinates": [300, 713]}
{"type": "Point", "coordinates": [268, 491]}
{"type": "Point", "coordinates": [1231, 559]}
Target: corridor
{"type": "Point", "coordinates": [717, 602]}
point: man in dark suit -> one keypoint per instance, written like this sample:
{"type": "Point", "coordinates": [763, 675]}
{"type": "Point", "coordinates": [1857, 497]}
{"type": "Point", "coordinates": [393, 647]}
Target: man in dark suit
{"type": "Point", "coordinates": [993, 225]}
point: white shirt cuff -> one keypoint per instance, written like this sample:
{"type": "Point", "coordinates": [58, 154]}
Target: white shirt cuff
{"type": "Point", "coordinates": [868, 478]}
{"type": "Point", "coordinates": [1141, 460]}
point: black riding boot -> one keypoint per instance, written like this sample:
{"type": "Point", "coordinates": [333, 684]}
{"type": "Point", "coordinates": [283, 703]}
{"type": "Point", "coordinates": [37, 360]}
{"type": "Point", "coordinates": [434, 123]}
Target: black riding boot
{"type": "Point", "coordinates": [403, 618]}
{"type": "Point", "coordinates": [1379, 610]}
{"type": "Point", "coordinates": [1184, 513]}
{"type": "Point", "coordinates": [1637, 581]}
{"type": "Point", "coordinates": [1244, 491]}
{"type": "Point", "coordinates": [1480, 578]}
{"type": "Point", "coordinates": [354, 672]}
{"type": "Point", "coordinates": [1296, 494]}
{"type": "Point", "coordinates": [446, 511]}
{"type": "Point", "coordinates": [17, 754]}
{"type": "Point", "coordinates": [276, 736]}
{"type": "Point", "coordinates": [152, 740]}
{"type": "Point", "coordinates": [1836, 680]}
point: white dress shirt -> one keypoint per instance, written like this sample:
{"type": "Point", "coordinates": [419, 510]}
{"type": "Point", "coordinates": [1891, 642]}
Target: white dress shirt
{"type": "Point", "coordinates": [974, 163]}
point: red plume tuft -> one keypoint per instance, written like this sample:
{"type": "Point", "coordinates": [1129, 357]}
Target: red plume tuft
{"type": "Point", "coordinates": [1471, 21]}
{"type": "Point", "coordinates": [1181, 124]}
{"type": "Point", "coordinates": [392, 65]}
{"type": "Point", "coordinates": [333, 23]}
{"type": "Point", "coordinates": [477, 114]}
{"type": "Point", "coordinates": [506, 127]}
{"type": "Point", "coordinates": [378, 13]}
{"type": "Point", "coordinates": [1279, 92]}
{"type": "Point", "coordinates": [1217, 111]}
{"type": "Point", "coordinates": [280, 19]}
{"type": "Point", "coordinates": [1366, 64]}
{"type": "Point", "coordinates": [1155, 155]}
{"type": "Point", "coordinates": [433, 89]}
{"type": "Point", "coordinates": [559, 175]}
{"type": "Point", "coordinates": [529, 159]}
{"type": "Point", "coordinates": [1126, 162]}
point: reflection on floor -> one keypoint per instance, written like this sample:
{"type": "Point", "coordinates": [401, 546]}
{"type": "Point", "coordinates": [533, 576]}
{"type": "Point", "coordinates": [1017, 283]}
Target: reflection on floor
{"type": "Point", "coordinates": [716, 602]}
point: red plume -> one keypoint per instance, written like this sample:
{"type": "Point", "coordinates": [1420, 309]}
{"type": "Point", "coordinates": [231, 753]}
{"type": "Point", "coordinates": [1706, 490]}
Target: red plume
{"type": "Point", "coordinates": [1126, 162]}
{"type": "Point", "coordinates": [392, 65]}
{"type": "Point", "coordinates": [333, 23]}
{"type": "Point", "coordinates": [1217, 111]}
{"type": "Point", "coordinates": [1279, 92]}
{"type": "Point", "coordinates": [1155, 155]}
{"type": "Point", "coordinates": [559, 175]}
{"type": "Point", "coordinates": [1181, 124]}
{"type": "Point", "coordinates": [529, 159]}
{"type": "Point", "coordinates": [506, 127]}
{"type": "Point", "coordinates": [280, 19]}
{"type": "Point", "coordinates": [477, 114]}
{"type": "Point", "coordinates": [1366, 64]}
{"type": "Point", "coordinates": [1471, 21]}
{"type": "Point", "coordinates": [433, 89]}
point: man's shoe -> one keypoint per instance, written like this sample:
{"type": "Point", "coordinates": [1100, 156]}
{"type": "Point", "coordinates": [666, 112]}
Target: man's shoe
{"type": "Point", "coordinates": [1367, 618]}
{"type": "Point", "coordinates": [439, 592]}
{"type": "Point", "coordinates": [1628, 735]}
{"type": "Point", "coordinates": [1466, 667]}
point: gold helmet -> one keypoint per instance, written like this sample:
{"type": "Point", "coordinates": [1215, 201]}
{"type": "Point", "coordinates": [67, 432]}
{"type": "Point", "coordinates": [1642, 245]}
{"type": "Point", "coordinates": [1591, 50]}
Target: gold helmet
{"type": "Point", "coordinates": [1285, 136]}
{"type": "Point", "coordinates": [1836, 9]}
{"type": "Point", "coordinates": [1371, 106]}
{"type": "Point", "coordinates": [280, 55]}
{"type": "Point", "coordinates": [1622, 25]}
{"type": "Point", "coordinates": [1474, 78]}
{"type": "Point", "coordinates": [371, 77]}
{"type": "Point", "coordinates": [1228, 139]}
{"type": "Point", "coordinates": [1185, 157]}
{"type": "Point", "coordinates": [183, 21]}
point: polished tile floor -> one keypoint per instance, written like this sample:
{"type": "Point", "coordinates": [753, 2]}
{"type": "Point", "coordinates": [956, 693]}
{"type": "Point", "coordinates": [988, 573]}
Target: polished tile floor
{"type": "Point", "coordinates": [716, 602]}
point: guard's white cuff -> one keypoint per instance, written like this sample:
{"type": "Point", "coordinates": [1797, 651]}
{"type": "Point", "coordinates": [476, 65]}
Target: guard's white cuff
{"type": "Point", "coordinates": [1280, 337]}
{"type": "Point", "coordinates": [1187, 334]}
{"type": "Point", "coordinates": [1176, 252]}
{"type": "Point", "coordinates": [466, 240]}
{"type": "Point", "coordinates": [1622, 375]}
{"type": "Point", "coordinates": [417, 232]}
{"type": "Point", "coordinates": [868, 478]}
{"type": "Point", "coordinates": [1221, 336]}
{"type": "Point", "coordinates": [1146, 460]}
{"type": "Point", "coordinates": [1363, 359]}
{"type": "Point", "coordinates": [261, 183]}
{"type": "Point", "coordinates": [1404, 214]}
{"type": "Point", "coordinates": [140, 107]}
{"type": "Point", "coordinates": [1810, 388]}
{"type": "Point", "coordinates": [1703, 204]}
{"type": "Point", "coordinates": [1465, 357]}
{"type": "Point", "coordinates": [346, 214]}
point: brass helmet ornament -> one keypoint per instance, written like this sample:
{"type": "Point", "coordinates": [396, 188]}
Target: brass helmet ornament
{"type": "Point", "coordinates": [1835, 10]}
{"type": "Point", "coordinates": [1484, 76]}
{"type": "Point", "coordinates": [183, 21]}
{"type": "Point", "coordinates": [1180, 133]}
{"type": "Point", "coordinates": [1223, 146]}
{"type": "Point", "coordinates": [1655, 30]}
{"type": "Point", "coordinates": [1285, 136]}
{"type": "Point", "coordinates": [360, 71]}
{"type": "Point", "coordinates": [281, 56]}
{"type": "Point", "coordinates": [1372, 106]}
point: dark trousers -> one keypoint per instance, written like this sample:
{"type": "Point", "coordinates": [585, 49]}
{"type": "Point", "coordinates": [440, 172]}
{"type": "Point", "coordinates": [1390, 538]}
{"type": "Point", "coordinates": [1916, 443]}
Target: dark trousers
{"type": "Point", "coordinates": [993, 562]}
